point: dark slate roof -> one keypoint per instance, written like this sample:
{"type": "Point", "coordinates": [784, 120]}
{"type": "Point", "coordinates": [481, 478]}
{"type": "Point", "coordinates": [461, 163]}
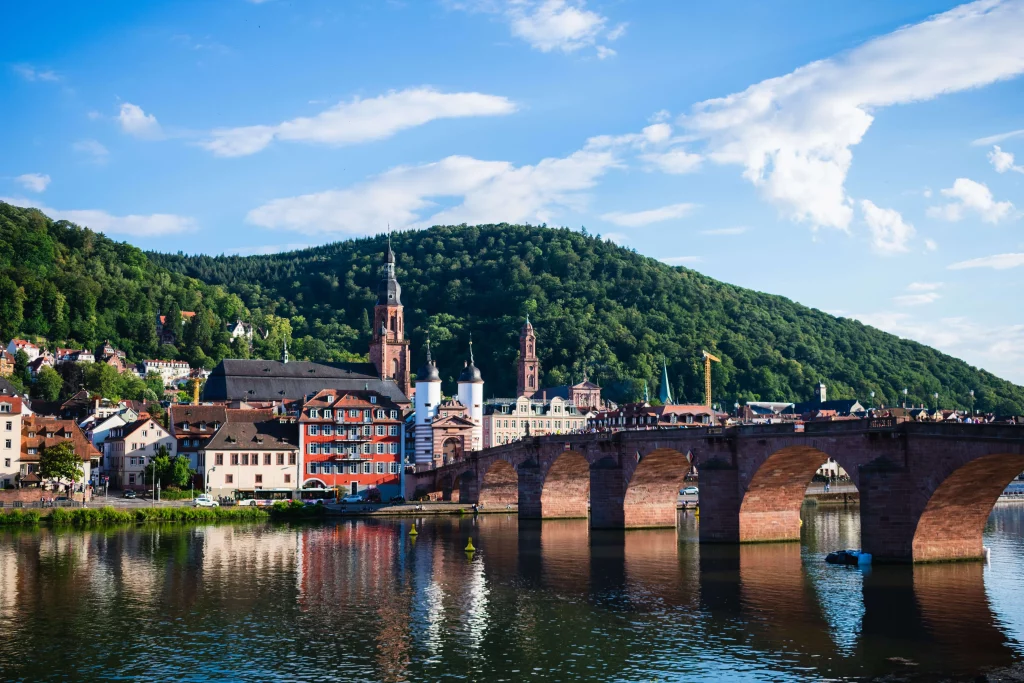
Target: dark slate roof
{"type": "Point", "coordinates": [841, 406]}
{"type": "Point", "coordinates": [265, 435]}
{"type": "Point", "coordinates": [7, 388]}
{"type": "Point", "coordinates": [269, 380]}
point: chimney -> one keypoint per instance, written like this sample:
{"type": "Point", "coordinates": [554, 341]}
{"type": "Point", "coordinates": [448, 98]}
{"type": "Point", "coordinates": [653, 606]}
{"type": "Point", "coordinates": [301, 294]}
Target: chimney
{"type": "Point", "coordinates": [544, 395]}
{"type": "Point", "coordinates": [822, 392]}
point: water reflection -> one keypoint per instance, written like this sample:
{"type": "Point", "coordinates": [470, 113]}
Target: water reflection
{"type": "Point", "coordinates": [361, 600]}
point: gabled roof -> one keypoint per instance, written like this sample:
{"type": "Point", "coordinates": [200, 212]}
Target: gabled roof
{"type": "Point", "coordinates": [457, 421]}
{"type": "Point", "coordinates": [263, 435]}
{"type": "Point", "coordinates": [263, 380]}
{"type": "Point", "coordinates": [42, 426]}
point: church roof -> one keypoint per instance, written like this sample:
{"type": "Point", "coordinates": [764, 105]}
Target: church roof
{"type": "Point", "coordinates": [269, 380]}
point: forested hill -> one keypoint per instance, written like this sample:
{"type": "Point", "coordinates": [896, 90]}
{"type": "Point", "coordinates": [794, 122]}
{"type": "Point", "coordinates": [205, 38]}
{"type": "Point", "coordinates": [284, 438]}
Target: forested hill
{"type": "Point", "coordinates": [597, 307]}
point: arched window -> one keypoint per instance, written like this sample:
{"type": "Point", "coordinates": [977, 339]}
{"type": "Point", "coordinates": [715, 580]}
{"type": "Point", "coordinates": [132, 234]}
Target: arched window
{"type": "Point", "coordinates": [531, 381]}
{"type": "Point", "coordinates": [394, 323]}
{"type": "Point", "coordinates": [529, 348]}
{"type": "Point", "coordinates": [394, 367]}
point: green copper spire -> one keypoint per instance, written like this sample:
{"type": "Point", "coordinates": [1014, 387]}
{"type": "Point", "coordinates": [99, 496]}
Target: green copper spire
{"type": "Point", "coordinates": [666, 392]}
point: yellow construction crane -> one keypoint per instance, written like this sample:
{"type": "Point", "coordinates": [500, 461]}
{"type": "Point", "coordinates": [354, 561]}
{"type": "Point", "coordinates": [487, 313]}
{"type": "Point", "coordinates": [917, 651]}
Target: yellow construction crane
{"type": "Point", "coordinates": [707, 376]}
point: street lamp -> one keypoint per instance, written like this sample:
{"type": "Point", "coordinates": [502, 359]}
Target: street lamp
{"type": "Point", "coordinates": [971, 392]}
{"type": "Point", "coordinates": [904, 397]}
{"type": "Point", "coordinates": [936, 397]}
{"type": "Point", "coordinates": [872, 399]}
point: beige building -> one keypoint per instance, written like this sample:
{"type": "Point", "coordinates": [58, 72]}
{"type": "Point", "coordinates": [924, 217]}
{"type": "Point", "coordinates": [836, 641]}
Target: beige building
{"type": "Point", "coordinates": [10, 439]}
{"type": "Point", "coordinates": [509, 419]}
{"type": "Point", "coordinates": [253, 460]}
{"type": "Point", "coordinates": [130, 448]}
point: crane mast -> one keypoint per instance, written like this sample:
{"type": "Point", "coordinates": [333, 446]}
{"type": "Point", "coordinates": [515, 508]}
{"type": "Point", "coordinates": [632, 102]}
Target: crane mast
{"type": "Point", "coordinates": [707, 376]}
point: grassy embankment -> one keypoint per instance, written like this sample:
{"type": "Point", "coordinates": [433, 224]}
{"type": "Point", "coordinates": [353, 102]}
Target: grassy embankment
{"type": "Point", "coordinates": [108, 516]}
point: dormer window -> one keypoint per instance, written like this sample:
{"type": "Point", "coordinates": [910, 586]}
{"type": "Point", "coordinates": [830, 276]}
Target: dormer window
{"type": "Point", "coordinates": [314, 413]}
{"type": "Point", "coordinates": [185, 426]}
{"type": "Point", "coordinates": [373, 399]}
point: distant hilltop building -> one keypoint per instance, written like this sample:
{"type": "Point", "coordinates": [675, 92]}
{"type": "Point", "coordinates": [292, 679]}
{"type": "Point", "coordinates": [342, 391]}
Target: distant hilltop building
{"type": "Point", "coordinates": [585, 396]}
{"type": "Point", "coordinates": [165, 335]}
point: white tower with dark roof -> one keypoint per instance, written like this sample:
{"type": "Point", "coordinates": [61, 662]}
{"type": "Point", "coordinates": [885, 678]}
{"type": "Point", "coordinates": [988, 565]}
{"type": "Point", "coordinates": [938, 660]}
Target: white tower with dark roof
{"type": "Point", "coordinates": [471, 395]}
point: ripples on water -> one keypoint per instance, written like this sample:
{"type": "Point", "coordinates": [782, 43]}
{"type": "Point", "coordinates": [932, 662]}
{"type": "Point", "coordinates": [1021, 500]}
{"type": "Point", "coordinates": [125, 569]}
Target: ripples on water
{"type": "Point", "coordinates": [552, 601]}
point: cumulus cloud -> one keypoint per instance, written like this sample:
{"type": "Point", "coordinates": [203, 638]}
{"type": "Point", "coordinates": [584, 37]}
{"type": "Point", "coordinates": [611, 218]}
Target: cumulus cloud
{"type": "Point", "coordinates": [36, 182]}
{"type": "Point", "coordinates": [970, 196]}
{"type": "Point", "coordinates": [920, 293]}
{"type": "Point", "coordinates": [656, 145]}
{"type": "Point", "coordinates": [617, 237]}
{"type": "Point", "coordinates": [996, 262]}
{"type": "Point", "coordinates": [93, 149]}
{"type": "Point", "coordinates": [135, 225]}
{"type": "Point", "coordinates": [930, 245]}
{"type": "Point", "coordinates": [30, 73]}
{"type": "Point", "coordinates": [550, 25]}
{"type": "Point", "coordinates": [405, 197]}
{"type": "Point", "coordinates": [361, 120]}
{"type": "Point", "coordinates": [1003, 161]}
{"type": "Point", "coordinates": [138, 123]}
{"type": "Point", "coordinates": [889, 232]}
{"type": "Point", "coordinates": [640, 218]}
{"type": "Point", "coordinates": [793, 135]}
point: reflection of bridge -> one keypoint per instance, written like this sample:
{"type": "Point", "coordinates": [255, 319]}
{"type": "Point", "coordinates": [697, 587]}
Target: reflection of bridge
{"type": "Point", "coordinates": [926, 489]}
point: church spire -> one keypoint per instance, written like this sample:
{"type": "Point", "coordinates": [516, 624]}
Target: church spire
{"type": "Point", "coordinates": [665, 395]}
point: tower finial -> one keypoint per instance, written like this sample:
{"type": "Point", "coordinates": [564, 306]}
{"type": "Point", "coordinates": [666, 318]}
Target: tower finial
{"type": "Point", "coordinates": [428, 348]}
{"type": "Point", "coordinates": [471, 349]}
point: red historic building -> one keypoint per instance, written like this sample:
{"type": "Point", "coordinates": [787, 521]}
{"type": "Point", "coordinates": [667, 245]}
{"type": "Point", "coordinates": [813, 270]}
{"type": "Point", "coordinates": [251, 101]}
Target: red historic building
{"type": "Point", "coordinates": [352, 440]}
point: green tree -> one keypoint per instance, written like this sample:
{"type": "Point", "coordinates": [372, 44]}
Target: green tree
{"type": "Point", "coordinates": [48, 384]}
{"type": "Point", "coordinates": [160, 464]}
{"type": "Point", "coordinates": [180, 473]}
{"type": "Point", "coordinates": [60, 461]}
{"type": "Point", "coordinates": [172, 321]}
{"type": "Point", "coordinates": [104, 380]}
{"type": "Point", "coordinates": [21, 370]}
{"type": "Point", "coordinates": [12, 302]}
{"type": "Point", "coordinates": [155, 383]}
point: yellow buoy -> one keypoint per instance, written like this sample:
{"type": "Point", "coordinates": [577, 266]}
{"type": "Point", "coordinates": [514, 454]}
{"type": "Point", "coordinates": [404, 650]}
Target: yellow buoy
{"type": "Point", "coordinates": [412, 531]}
{"type": "Point", "coordinates": [469, 546]}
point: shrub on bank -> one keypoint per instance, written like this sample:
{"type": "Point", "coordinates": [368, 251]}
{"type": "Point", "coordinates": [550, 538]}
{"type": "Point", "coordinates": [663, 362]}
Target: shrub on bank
{"type": "Point", "coordinates": [296, 510]}
{"type": "Point", "coordinates": [82, 517]}
{"type": "Point", "coordinates": [20, 518]}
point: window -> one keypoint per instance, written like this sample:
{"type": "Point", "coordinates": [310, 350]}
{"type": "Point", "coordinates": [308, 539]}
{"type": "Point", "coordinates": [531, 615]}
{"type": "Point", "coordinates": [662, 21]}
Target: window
{"type": "Point", "coordinates": [287, 478]}
{"type": "Point", "coordinates": [314, 449]}
{"type": "Point", "coordinates": [291, 458]}
{"type": "Point", "coordinates": [325, 468]}
{"type": "Point", "coordinates": [229, 479]}
{"type": "Point", "coordinates": [380, 448]}
{"type": "Point", "coordinates": [394, 468]}
{"type": "Point", "coordinates": [314, 467]}
{"type": "Point", "coordinates": [353, 469]}
{"type": "Point", "coordinates": [131, 478]}
{"type": "Point", "coordinates": [354, 432]}
{"type": "Point", "coordinates": [10, 425]}
{"type": "Point", "coordinates": [245, 458]}
{"type": "Point", "coordinates": [353, 413]}
{"type": "Point", "coordinates": [373, 399]}
{"type": "Point", "coordinates": [328, 430]}
{"type": "Point", "coordinates": [366, 414]}
{"type": "Point", "coordinates": [234, 458]}
{"type": "Point", "coordinates": [513, 424]}
{"type": "Point", "coordinates": [380, 414]}
{"type": "Point", "coordinates": [393, 448]}
{"type": "Point", "coordinates": [394, 430]}
{"type": "Point", "coordinates": [218, 459]}
{"type": "Point", "coordinates": [366, 448]}
{"type": "Point", "coordinates": [280, 458]}
{"type": "Point", "coordinates": [259, 478]}
{"type": "Point", "coordinates": [313, 413]}
{"type": "Point", "coordinates": [145, 432]}
{"type": "Point", "coordinates": [328, 414]}
{"type": "Point", "coordinates": [394, 414]}
{"type": "Point", "coordinates": [366, 468]}
{"type": "Point", "coordinates": [366, 430]}
{"type": "Point", "coordinates": [313, 429]}
{"type": "Point", "coordinates": [7, 443]}
{"type": "Point", "coordinates": [201, 460]}
{"type": "Point", "coordinates": [380, 430]}
{"type": "Point", "coordinates": [380, 468]}
{"type": "Point", "coordinates": [266, 458]}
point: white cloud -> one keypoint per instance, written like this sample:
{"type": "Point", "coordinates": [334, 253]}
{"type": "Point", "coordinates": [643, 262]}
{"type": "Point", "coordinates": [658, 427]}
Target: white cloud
{"type": "Point", "coordinates": [930, 245]}
{"type": "Point", "coordinates": [97, 152]}
{"type": "Point", "coordinates": [997, 348]}
{"type": "Point", "coordinates": [992, 139]}
{"type": "Point", "coordinates": [36, 182]}
{"type": "Point", "coordinates": [971, 196]}
{"type": "Point", "coordinates": [617, 237]}
{"type": "Point", "coordinates": [640, 218]}
{"type": "Point", "coordinates": [738, 230]}
{"type": "Point", "coordinates": [361, 120]}
{"type": "Point", "coordinates": [549, 25]}
{"type": "Point", "coordinates": [617, 32]}
{"type": "Point", "coordinates": [916, 299]}
{"type": "Point", "coordinates": [889, 232]}
{"type": "Point", "coordinates": [30, 73]}
{"type": "Point", "coordinates": [996, 262]}
{"type": "Point", "coordinates": [679, 260]}
{"type": "Point", "coordinates": [490, 191]}
{"type": "Point", "coordinates": [675, 161]}
{"type": "Point", "coordinates": [604, 52]}
{"type": "Point", "coordinates": [151, 225]}
{"type": "Point", "coordinates": [138, 123]}
{"type": "Point", "coordinates": [1003, 161]}
{"type": "Point", "coordinates": [655, 144]}
{"type": "Point", "coordinates": [924, 286]}
{"type": "Point", "coordinates": [793, 134]}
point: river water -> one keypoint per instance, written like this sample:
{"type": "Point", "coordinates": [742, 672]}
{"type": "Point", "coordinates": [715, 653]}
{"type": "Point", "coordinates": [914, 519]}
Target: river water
{"type": "Point", "coordinates": [359, 600]}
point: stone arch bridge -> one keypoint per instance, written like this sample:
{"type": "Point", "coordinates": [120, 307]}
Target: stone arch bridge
{"type": "Point", "coordinates": [926, 490]}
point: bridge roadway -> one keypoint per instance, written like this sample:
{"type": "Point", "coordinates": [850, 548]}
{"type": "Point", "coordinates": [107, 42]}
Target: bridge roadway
{"type": "Point", "coordinates": [926, 490]}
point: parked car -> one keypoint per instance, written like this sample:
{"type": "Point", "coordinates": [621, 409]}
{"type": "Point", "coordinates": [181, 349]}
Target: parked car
{"type": "Point", "coordinates": [205, 502]}
{"type": "Point", "coordinates": [690, 491]}
{"type": "Point", "coordinates": [130, 494]}
{"type": "Point", "coordinates": [352, 499]}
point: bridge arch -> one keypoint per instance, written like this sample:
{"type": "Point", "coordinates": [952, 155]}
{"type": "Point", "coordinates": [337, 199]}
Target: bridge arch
{"type": "Point", "coordinates": [499, 486]}
{"type": "Point", "coordinates": [951, 524]}
{"type": "Point", "coordinates": [770, 504]}
{"type": "Point", "coordinates": [565, 493]}
{"type": "Point", "coordinates": [653, 489]}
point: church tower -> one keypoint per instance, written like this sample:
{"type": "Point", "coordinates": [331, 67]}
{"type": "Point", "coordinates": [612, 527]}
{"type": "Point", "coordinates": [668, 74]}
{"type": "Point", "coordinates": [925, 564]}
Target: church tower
{"type": "Point", "coordinates": [529, 367]}
{"type": "Point", "coordinates": [389, 349]}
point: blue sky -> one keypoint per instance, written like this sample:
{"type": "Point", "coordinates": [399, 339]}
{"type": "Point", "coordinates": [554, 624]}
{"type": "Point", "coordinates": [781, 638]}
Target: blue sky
{"type": "Point", "coordinates": [862, 157]}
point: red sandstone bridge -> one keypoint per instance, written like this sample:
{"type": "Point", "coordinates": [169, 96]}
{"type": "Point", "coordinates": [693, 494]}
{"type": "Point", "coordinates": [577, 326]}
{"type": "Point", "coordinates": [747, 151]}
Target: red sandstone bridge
{"type": "Point", "coordinates": [926, 490]}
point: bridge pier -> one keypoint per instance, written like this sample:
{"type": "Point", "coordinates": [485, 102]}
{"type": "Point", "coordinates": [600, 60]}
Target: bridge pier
{"type": "Point", "coordinates": [607, 494]}
{"type": "Point", "coordinates": [531, 487]}
{"type": "Point", "coordinates": [719, 511]}
{"type": "Point", "coordinates": [887, 519]}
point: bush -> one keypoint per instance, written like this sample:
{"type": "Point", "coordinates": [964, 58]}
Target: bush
{"type": "Point", "coordinates": [295, 509]}
{"type": "Point", "coordinates": [105, 516]}
{"type": "Point", "coordinates": [20, 518]}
